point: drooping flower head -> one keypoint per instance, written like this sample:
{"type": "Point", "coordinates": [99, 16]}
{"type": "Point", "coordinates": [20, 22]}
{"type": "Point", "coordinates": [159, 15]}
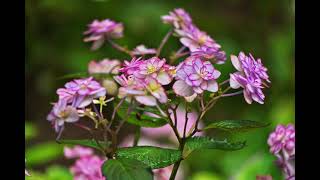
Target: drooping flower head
{"type": "Point", "coordinates": [283, 139]}
{"type": "Point", "coordinates": [194, 38]}
{"type": "Point", "coordinates": [105, 66]}
{"type": "Point", "coordinates": [194, 76]}
{"type": "Point", "coordinates": [62, 113]}
{"type": "Point", "coordinates": [99, 31]}
{"type": "Point", "coordinates": [218, 56]}
{"type": "Point", "coordinates": [179, 18]}
{"type": "Point", "coordinates": [81, 92]}
{"type": "Point", "coordinates": [143, 50]}
{"type": "Point", "coordinates": [250, 76]}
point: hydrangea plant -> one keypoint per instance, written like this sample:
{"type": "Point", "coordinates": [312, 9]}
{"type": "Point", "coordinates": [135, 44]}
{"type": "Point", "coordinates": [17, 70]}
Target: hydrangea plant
{"type": "Point", "coordinates": [161, 96]}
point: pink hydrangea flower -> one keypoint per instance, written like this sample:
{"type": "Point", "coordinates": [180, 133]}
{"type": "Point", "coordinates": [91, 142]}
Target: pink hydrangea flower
{"type": "Point", "coordinates": [105, 66]}
{"type": "Point", "coordinates": [214, 53]}
{"type": "Point", "coordinates": [88, 168]}
{"type": "Point", "coordinates": [146, 91]}
{"type": "Point", "coordinates": [143, 50]}
{"type": "Point", "coordinates": [155, 68]}
{"type": "Point", "coordinates": [250, 77]}
{"type": "Point", "coordinates": [194, 76]}
{"type": "Point", "coordinates": [193, 38]}
{"type": "Point", "coordinates": [81, 92]}
{"type": "Point", "coordinates": [77, 151]}
{"type": "Point", "coordinates": [282, 139]}
{"type": "Point", "coordinates": [98, 31]}
{"type": "Point", "coordinates": [164, 173]}
{"type": "Point", "coordinates": [179, 18]}
{"type": "Point", "coordinates": [62, 113]}
{"type": "Point", "coordinates": [131, 67]}
{"type": "Point", "coordinates": [166, 130]}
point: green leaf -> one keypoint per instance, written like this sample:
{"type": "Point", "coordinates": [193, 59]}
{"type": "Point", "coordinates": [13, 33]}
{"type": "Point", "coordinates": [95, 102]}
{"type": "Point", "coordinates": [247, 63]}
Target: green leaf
{"type": "Point", "coordinates": [155, 157]}
{"type": "Point", "coordinates": [85, 142]}
{"type": "Point", "coordinates": [126, 169]}
{"type": "Point", "coordinates": [43, 153]}
{"type": "Point", "coordinates": [197, 143]}
{"type": "Point", "coordinates": [58, 173]}
{"type": "Point", "coordinates": [137, 116]}
{"type": "Point", "coordinates": [236, 125]}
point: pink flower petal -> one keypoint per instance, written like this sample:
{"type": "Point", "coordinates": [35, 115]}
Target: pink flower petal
{"type": "Point", "coordinates": [182, 89]}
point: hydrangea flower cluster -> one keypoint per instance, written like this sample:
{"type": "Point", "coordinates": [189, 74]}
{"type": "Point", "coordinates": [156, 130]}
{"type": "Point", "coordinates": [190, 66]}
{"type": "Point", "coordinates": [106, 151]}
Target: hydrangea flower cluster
{"type": "Point", "coordinates": [282, 145]}
{"type": "Point", "coordinates": [99, 31]}
{"type": "Point", "coordinates": [146, 90]}
{"type": "Point", "coordinates": [192, 37]}
{"type": "Point", "coordinates": [76, 94]}
{"type": "Point", "coordinates": [143, 80]}
{"type": "Point", "coordinates": [250, 76]}
{"type": "Point", "coordinates": [194, 76]}
{"type": "Point", "coordinates": [283, 139]}
{"type": "Point", "coordinates": [87, 166]}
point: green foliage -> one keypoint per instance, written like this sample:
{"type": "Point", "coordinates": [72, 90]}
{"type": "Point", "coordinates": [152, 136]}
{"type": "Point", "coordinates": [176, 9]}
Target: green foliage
{"type": "Point", "coordinates": [86, 142]}
{"type": "Point", "coordinates": [30, 131]}
{"type": "Point", "coordinates": [126, 169]}
{"type": "Point", "coordinates": [52, 173]}
{"type": "Point", "coordinates": [236, 125]}
{"type": "Point", "coordinates": [154, 157]}
{"type": "Point", "coordinates": [137, 116]}
{"type": "Point", "coordinates": [43, 153]}
{"type": "Point", "coordinates": [205, 176]}
{"type": "Point", "coordinates": [198, 143]}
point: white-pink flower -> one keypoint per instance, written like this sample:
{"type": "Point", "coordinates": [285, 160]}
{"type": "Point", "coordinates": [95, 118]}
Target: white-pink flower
{"type": "Point", "coordinates": [143, 50]}
{"type": "Point", "coordinates": [77, 151]}
{"type": "Point", "coordinates": [104, 66]}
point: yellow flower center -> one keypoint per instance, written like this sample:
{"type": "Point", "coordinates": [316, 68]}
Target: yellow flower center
{"type": "Point", "coordinates": [151, 69]}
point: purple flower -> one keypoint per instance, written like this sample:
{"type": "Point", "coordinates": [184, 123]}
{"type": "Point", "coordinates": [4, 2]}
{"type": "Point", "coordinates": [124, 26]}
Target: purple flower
{"type": "Point", "coordinates": [179, 18]}
{"type": "Point", "coordinates": [98, 31]}
{"type": "Point", "coordinates": [130, 87]}
{"type": "Point", "coordinates": [88, 168]}
{"type": "Point", "coordinates": [143, 50]}
{"type": "Point", "coordinates": [193, 38]}
{"type": "Point", "coordinates": [62, 113]}
{"type": "Point", "coordinates": [77, 151]}
{"type": "Point", "coordinates": [250, 77]}
{"type": "Point", "coordinates": [211, 53]}
{"type": "Point", "coordinates": [105, 66]}
{"type": "Point", "coordinates": [81, 92]}
{"type": "Point", "coordinates": [195, 76]}
{"type": "Point", "coordinates": [283, 139]}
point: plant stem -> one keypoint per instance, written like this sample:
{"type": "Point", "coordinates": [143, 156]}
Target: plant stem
{"type": "Point", "coordinates": [232, 94]}
{"type": "Point", "coordinates": [137, 136]}
{"type": "Point", "coordinates": [175, 170]}
{"type": "Point", "coordinates": [119, 47]}
{"type": "Point", "coordinates": [163, 42]}
{"type": "Point", "coordinates": [115, 111]}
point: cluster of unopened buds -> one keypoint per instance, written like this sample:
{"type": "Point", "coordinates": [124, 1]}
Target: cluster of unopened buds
{"type": "Point", "coordinates": [282, 145]}
{"type": "Point", "coordinates": [150, 81]}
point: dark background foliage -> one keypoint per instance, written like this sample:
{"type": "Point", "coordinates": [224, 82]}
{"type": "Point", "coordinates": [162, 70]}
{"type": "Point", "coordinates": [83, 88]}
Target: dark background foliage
{"type": "Point", "coordinates": [54, 47]}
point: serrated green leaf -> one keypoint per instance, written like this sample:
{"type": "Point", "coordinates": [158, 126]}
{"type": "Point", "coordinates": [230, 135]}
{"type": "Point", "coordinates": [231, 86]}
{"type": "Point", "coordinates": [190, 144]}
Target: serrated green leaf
{"type": "Point", "coordinates": [236, 125]}
{"type": "Point", "coordinates": [137, 116]}
{"type": "Point", "coordinates": [126, 169]}
{"type": "Point", "coordinates": [198, 143]}
{"type": "Point", "coordinates": [154, 157]}
{"type": "Point", "coordinates": [85, 142]}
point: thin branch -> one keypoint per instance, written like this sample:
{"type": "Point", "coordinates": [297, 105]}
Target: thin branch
{"type": "Point", "coordinates": [163, 42]}
{"type": "Point", "coordinates": [232, 94]}
{"type": "Point", "coordinates": [119, 47]}
{"type": "Point", "coordinates": [115, 111]}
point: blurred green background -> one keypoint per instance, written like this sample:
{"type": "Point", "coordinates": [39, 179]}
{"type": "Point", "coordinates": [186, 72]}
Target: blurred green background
{"type": "Point", "coordinates": [54, 47]}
